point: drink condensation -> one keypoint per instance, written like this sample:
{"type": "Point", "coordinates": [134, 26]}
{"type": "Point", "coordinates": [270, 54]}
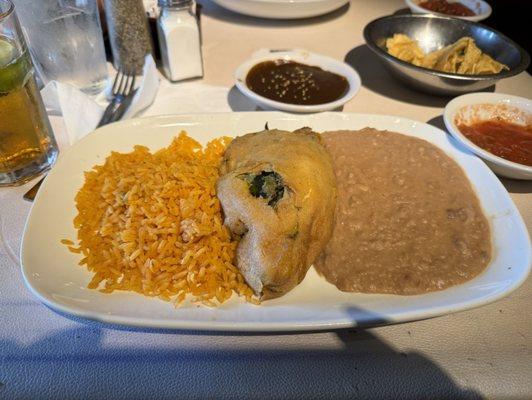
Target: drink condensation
{"type": "Point", "coordinates": [66, 40]}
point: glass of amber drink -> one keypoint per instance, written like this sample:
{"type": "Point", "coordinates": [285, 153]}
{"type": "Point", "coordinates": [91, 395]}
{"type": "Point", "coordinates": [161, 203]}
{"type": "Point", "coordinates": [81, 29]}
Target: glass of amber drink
{"type": "Point", "coordinates": [27, 144]}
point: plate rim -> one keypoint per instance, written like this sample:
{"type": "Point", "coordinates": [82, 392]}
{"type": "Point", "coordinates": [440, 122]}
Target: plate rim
{"type": "Point", "coordinates": [264, 326]}
{"type": "Point", "coordinates": [265, 8]}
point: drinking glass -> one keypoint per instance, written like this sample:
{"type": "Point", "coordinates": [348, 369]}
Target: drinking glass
{"type": "Point", "coordinates": [27, 145]}
{"type": "Point", "coordinates": [66, 41]}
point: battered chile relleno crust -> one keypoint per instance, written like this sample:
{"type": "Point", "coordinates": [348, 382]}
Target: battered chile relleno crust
{"type": "Point", "coordinates": [278, 193]}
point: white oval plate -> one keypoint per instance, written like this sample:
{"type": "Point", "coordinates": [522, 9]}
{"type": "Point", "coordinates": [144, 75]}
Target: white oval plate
{"type": "Point", "coordinates": [282, 9]}
{"type": "Point", "coordinates": [52, 274]}
{"type": "Point", "coordinates": [479, 7]}
{"type": "Point", "coordinates": [499, 165]}
{"type": "Point", "coordinates": [304, 57]}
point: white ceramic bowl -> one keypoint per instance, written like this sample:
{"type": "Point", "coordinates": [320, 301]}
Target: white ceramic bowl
{"type": "Point", "coordinates": [469, 107]}
{"type": "Point", "coordinates": [282, 9]}
{"type": "Point", "coordinates": [304, 57]}
{"type": "Point", "coordinates": [479, 7]}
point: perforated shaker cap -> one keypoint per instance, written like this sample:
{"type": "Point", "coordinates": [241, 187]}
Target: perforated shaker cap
{"type": "Point", "coordinates": [174, 3]}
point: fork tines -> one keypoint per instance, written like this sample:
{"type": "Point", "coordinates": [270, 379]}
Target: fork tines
{"type": "Point", "coordinates": [124, 83]}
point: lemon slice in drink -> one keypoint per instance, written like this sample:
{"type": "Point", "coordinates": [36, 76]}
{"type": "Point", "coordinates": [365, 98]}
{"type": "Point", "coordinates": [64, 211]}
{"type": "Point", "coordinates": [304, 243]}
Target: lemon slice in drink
{"type": "Point", "coordinates": [14, 68]}
{"type": "Point", "coordinates": [7, 52]}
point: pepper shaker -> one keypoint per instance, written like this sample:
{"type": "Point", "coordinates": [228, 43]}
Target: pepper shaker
{"type": "Point", "coordinates": [128, 33]}
{"type": "Point", "coordinates": [179, 39]}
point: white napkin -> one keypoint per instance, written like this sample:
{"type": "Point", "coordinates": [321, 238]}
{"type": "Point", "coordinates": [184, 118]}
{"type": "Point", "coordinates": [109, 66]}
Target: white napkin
{"type": "Point", "coordinates": [147, 90]}
{"type": "Point", "coordinates": [81, 113]}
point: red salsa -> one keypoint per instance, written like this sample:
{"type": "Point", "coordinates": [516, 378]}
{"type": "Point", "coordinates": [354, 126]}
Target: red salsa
{"type": "Point", "coordinates": [444, 7]}
{"type": "Point", "coordinates": [504, 139]}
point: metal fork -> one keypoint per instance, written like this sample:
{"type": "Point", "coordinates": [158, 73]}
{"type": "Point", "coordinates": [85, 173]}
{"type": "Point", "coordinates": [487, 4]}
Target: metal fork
{"type": "Point", "coordinates": [123, 88]}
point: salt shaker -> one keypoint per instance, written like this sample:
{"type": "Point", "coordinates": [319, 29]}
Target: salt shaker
{"type": "Point", "coordinates": [179, 39]}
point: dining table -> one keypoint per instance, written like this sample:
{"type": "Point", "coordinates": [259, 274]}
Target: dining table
{"type": "Point", "coordinates": [483, 353]}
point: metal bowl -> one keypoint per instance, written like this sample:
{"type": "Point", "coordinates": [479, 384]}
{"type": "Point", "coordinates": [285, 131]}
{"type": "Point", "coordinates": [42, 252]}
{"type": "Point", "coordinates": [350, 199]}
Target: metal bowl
{"type": "Point", "coordinates": [434, 32]}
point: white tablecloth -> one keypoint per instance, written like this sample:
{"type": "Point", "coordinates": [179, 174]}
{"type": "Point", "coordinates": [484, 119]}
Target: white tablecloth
{"type": "Point", "coordinates": [485, 352]}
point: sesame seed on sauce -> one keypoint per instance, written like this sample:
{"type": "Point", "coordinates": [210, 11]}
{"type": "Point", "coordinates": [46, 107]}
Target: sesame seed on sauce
{"type": "Point", "coordinates": [295, 83]}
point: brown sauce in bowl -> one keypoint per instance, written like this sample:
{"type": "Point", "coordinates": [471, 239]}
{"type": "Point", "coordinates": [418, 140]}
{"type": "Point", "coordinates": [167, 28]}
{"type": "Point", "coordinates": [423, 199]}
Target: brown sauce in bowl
{"type": "Point", "coordinates": [295, 83]}
{"type": "Point", "coordinates": [407, 220]}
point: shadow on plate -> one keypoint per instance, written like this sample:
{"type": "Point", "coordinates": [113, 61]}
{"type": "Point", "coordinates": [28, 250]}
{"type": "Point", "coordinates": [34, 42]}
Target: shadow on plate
{"type": "Point", "coordinates": [355, 314]}
{"type": "Point", "coordinates": [376, 78]}
{"type": "Point", "coordinates": [438, 123]}
{"type": "Point", "coordinates": [89, 361]}
{"type": "Point", "coordinates": [215, 11]}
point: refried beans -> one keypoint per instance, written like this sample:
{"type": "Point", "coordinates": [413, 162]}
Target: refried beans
{"type": "Point", "coordinates": [407, 219]}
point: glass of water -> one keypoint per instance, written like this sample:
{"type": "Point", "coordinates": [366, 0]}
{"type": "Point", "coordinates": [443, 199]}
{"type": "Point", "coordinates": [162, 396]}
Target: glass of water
{"type": "Point", "coordinates": [66, 41]}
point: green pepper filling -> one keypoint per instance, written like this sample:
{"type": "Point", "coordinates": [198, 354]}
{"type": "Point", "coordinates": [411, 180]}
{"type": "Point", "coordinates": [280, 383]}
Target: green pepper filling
{"type": "Point", "coordinates": [267, 185]}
